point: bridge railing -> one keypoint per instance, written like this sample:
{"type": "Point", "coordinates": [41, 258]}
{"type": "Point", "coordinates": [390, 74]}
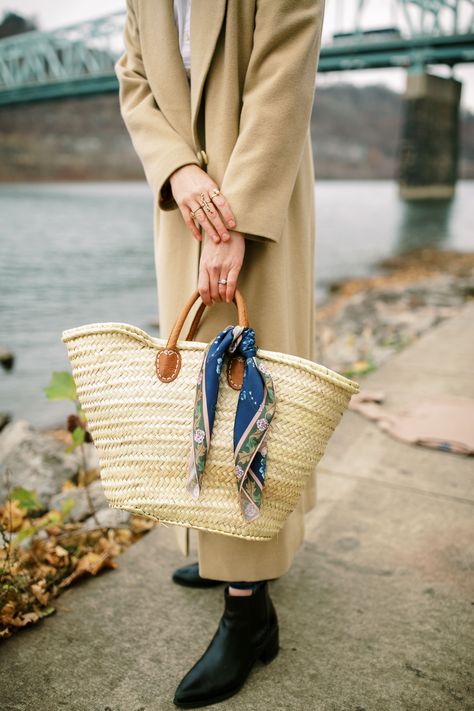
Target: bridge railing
{"type": "Point", "coordinates": [76, 51]}
{"type": "Point", "coordinates": [79, 59]}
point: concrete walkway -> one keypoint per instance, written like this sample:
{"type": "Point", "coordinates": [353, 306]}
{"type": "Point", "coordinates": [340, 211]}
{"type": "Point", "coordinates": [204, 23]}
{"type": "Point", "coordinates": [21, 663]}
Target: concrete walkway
{"type": "Point", "coordinates": [376, 613]}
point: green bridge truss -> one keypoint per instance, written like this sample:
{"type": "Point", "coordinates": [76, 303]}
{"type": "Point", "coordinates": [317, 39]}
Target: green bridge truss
{"type": "Point", "coordinates": [79, 59]}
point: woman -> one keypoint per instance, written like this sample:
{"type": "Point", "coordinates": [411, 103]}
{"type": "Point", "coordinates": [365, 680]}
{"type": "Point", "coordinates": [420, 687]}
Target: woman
{"type": "Point", "coordinates": [226, 150]}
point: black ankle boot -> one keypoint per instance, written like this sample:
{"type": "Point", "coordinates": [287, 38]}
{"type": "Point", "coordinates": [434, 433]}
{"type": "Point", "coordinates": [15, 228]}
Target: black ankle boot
{"type": "Point", "coordinates": [189, 576]}
{"type": "Point", "coordinates": [247, 631]}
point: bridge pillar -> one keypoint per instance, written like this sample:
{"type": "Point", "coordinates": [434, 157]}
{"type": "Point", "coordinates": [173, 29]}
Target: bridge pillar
{"type": "Point", "coordinates": [430, 137]}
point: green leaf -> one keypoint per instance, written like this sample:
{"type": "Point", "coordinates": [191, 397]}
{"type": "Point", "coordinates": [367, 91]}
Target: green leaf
{"type": "Point", "coordinates": [52, 517]}
{"type": "Point", "coordinates": [67, 506]}
{"type": "Point", "coordinates": [78, 435]}
{"type": "Point", "coordinates": [61, 386]}
{"type": "Point", "coordinates": [28, 500]}
{"type": "Point", "coordinates": [25, 533]}
{"type": "Point", "coordinates": [47, 611]}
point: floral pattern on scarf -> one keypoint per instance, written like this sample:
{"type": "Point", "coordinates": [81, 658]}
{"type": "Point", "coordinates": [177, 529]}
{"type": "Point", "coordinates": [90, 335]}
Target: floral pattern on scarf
{"type": "Point", "coordinates": [255, 409]}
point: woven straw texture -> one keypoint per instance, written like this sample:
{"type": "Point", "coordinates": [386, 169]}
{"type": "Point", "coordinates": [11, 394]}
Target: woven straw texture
{"type": "Point", "coordinates": [142, 429]}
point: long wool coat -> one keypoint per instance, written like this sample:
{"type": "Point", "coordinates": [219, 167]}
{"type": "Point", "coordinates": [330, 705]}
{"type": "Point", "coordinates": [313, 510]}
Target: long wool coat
{"type": "Point", "coordinates": [245, 119]}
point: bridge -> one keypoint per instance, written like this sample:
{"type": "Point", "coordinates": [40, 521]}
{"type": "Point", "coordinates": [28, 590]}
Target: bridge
{"type": "Point", "coordinates": [79, 59]}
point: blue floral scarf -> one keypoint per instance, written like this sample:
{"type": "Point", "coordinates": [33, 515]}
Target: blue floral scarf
{"type": "Point", "coordinates": [255, 410]}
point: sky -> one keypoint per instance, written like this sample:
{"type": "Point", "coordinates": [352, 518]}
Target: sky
{"type": "Point", "coordinates": [339, 15]}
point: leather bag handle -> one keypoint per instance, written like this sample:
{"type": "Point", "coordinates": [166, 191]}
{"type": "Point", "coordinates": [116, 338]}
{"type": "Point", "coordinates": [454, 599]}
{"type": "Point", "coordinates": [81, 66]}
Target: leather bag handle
{"type": "Point", "coordinates": [168, 359]}
{"type": "Point", "coordinates": [176, 330]}
{"type": "Point", "coordinates": [196, 321]}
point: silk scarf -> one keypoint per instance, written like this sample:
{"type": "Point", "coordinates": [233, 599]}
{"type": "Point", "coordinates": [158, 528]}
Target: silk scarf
{"type": "Point", "coordinates": [254, 412]}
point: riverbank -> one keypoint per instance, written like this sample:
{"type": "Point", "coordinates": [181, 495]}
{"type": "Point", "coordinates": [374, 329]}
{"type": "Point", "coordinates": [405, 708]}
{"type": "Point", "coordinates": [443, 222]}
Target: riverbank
{"type": "Point", "coordinates": [368, 320]}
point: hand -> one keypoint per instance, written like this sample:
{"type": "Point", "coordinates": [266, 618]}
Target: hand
{"type": "Point", "coordinates": [220, 261]}
{"type": "Point", "coordinates": [187, 184]}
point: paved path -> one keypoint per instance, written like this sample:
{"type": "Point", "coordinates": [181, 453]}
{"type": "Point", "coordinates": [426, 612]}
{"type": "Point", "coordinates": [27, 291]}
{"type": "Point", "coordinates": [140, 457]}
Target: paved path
{"type": "Point", "coordinates": [376, 614]}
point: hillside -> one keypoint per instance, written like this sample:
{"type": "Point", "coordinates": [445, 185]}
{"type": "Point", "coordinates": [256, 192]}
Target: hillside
{"type": "Point", "coordinates": [355, 135]}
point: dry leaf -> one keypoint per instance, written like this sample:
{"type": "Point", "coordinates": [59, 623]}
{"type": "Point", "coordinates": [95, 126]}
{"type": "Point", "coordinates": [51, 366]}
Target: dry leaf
{"type": "Point", "coordinates": [8, 609]}
{"type": "Point", "coordinates": [24, 619]}
{"type": "Point", "coordinates": [123, 536]}
{"type": "Point", "coordinates": [89, 563]}
{"type": "Point", "coordinates": [44, 570]}
{"type": "Point", "coordinates": [60, 551]}
{"type": "Point", "coordinates": [61, 435]}
{"type": "Point", "coordinates": [91, 475]}
{"type": "Point", "coordinates": [34, 575]}
{"type": "Point", "coordinates": [13, 516]}
{"type": "Point", "coordinates": [142, 523]}
{"type": "Point", "coordinates": [39, 592]}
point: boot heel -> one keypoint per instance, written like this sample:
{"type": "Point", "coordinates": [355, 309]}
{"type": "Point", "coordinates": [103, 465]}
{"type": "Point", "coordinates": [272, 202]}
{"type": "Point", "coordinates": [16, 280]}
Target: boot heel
{"type": "Point", "coordinates": [271, 649]}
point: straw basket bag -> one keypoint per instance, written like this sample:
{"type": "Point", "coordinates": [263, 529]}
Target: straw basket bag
{"type": "Point", "coordinates": [138, 395]}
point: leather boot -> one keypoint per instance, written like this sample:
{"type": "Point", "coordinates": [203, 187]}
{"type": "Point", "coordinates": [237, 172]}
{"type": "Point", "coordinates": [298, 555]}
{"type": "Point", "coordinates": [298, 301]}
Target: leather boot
{"type": "Point", "coordinates": [247, 632]}
{"type": "Point", "coordinates": [189, 576]}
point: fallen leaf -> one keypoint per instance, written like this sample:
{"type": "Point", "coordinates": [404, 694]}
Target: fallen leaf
{"type": "Point", "coordinates": [60, 551]}
{"type": "Point", "coordinates": [13, 516]}
{"type": "Point", "coordinates": [25, 618]}
{"type": "Point", "coordinates": [40, 593]}
{"type": "Point", "coordinates": [89, 563]}
{"type": "Point", "coordinates": [142, 523]}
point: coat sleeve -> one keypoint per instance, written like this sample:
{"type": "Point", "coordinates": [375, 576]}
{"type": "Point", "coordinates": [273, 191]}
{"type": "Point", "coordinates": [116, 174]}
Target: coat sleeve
{"type": "Point", "coordinates": [276, 108]}
{"type": "Point", "coordinates": [159, 147]}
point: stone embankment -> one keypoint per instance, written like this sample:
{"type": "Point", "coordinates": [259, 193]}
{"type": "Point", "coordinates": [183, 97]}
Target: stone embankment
{"type": "Point", "coordinates": [38, 461]}
{"type": "Point", "coordinates": [368, 320]}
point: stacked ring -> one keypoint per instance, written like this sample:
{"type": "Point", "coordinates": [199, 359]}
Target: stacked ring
{"type": "Point", "coordinates": [205, 203]}
{"type": "Point", "coordinates": [193, 212]}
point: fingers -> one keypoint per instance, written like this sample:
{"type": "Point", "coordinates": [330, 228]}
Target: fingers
{"type": "Point", "coordinates": [224, 207]}
{"type": "Point", "coordinates": [214, 274]}
{"type": "Point", "coordinates": [216, 220]}
{"type": "Point", "coordinates": [223, 292]}
{"type": "Point", "coordinates": [214, 217]}
{"type": "Point", "coordinates": [201, 217]}
{"type": "Point", "coordinates": [220, 261]}
{"type": "Point", "coordinates": [190, 224]}
{"type": "Point", "coordinates": [190, 184]}
{"type": "Point", "coordinates": [231, 284]}
{"type": "Point", "coordinates": [222, 287]}
{"type": "Point", "coordinates": [203, 287]}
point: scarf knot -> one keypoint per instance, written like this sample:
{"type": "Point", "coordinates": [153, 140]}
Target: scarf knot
{"type": "Point", "coordinates": [254, 412]}
{"type": "Point", "coordinates": [247, 347]}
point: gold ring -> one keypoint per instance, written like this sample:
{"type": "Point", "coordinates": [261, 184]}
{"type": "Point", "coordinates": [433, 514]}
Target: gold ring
{"type": "Point", "coordinates": [205, 203]}
{"type": "Point", "coordinates": [193, 212]}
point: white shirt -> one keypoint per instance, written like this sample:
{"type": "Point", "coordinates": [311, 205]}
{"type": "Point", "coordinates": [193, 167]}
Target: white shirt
{"type": "Point", "coordinates": [182, 16]}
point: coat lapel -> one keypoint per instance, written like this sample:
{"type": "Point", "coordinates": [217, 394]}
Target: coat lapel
{"type": "Point", "coordinates": [163, 62]}
{"type": "Point", "coordinates": [206, 22]}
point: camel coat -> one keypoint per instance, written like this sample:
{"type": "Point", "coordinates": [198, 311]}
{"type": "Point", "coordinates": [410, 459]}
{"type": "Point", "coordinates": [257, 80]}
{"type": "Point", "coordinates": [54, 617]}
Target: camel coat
{"type": "Point", "coordinates": [245, 119]}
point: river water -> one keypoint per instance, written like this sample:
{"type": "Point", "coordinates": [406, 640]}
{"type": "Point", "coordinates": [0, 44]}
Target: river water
{"type": "Point", "coordinates": [76, 253]}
